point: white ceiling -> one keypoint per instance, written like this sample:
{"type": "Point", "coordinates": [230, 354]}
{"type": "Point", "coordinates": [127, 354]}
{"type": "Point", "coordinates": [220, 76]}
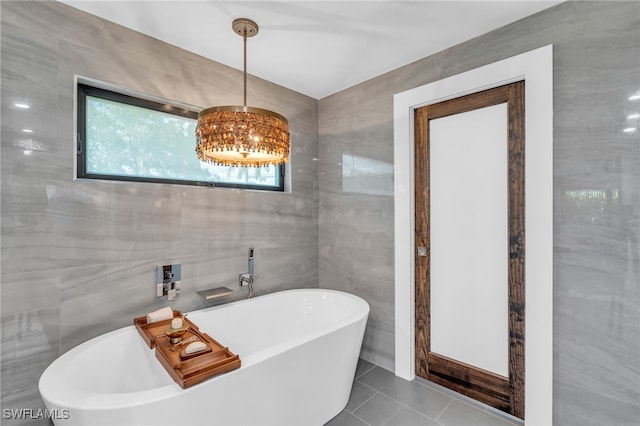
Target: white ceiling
{"type": "Point", "coordinates": [315, 47]}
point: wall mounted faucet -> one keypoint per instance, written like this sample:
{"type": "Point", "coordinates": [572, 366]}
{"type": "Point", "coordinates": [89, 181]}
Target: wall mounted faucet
{"type": "Point", "coordinates": [246, 279]}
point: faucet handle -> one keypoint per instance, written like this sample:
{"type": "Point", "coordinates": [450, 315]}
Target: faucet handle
{"type": "Point", "coordinates": [250, 261]}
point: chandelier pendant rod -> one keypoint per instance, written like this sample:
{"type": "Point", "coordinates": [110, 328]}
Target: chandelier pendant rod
{"type": "Point", "coordinates": [244, 37]}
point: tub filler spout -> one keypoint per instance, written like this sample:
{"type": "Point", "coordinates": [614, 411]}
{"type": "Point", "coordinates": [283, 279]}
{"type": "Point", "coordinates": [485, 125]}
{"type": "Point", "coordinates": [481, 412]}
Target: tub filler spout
{"type": "Point", "coordinates": [246, 279]}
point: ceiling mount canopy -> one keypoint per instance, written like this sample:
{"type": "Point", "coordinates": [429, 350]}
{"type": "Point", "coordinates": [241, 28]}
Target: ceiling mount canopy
{"type": "Point", "coordinates": [241, 135]}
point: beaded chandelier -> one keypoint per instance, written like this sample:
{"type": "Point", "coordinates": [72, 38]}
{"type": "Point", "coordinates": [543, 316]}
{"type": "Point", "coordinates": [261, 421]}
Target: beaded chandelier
{"type": "Point", "coordinates": [241, 135]}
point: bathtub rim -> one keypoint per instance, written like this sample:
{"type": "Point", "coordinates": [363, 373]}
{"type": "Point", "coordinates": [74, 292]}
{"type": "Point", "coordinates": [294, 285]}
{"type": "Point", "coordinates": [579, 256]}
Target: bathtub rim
{"type": "Point", "coordinates": [54, 382]}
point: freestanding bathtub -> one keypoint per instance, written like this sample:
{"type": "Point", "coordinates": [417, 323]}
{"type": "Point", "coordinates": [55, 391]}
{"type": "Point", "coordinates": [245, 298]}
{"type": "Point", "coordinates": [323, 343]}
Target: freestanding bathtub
{"type": "Point", "coordinates": [299, 350]}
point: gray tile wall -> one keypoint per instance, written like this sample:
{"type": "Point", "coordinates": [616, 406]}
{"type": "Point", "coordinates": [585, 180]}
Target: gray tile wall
{"type": "Point", "coordinates": [79, 258]}
{"type": "Point", "coordinates": [596, 197]}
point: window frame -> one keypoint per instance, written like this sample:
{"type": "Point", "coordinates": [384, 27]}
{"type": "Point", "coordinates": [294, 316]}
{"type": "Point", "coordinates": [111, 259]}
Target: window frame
{"type": "Point", "coordinates": [84, 89]}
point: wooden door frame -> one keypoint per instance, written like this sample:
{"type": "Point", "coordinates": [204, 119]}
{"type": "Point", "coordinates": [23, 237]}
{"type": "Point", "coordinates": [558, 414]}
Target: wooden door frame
{"type": "Point", "coordinates": [536, 68]}
{"type": "Point", "coordinates": [490, 388]}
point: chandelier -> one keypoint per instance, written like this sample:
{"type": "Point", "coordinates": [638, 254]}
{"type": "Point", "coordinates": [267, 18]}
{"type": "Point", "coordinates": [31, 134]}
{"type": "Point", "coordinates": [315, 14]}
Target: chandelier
{"type": "Point", "coordinates": [240, 135]}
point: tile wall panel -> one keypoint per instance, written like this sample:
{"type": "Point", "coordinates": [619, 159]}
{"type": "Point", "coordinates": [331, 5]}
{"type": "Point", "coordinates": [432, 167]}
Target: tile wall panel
{"type": "Point", "coordinates": [79, 257]}
{"type": "Point", "coordinates": [596, 198]}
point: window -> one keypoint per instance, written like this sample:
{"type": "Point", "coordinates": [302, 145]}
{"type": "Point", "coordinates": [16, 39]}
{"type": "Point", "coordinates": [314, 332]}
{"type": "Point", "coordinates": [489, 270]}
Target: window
{"type": "Point", "coordinates": [122, 137]}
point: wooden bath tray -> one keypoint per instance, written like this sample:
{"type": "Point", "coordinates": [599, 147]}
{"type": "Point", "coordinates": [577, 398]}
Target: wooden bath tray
{"type": "Point", "coordinates": [194, 368]}
{"type": "Point", "coordinates": [187, 370]}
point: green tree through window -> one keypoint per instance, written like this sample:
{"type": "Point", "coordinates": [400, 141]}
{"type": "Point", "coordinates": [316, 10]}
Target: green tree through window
{"type": "Point", "coordinates": [128, 138]}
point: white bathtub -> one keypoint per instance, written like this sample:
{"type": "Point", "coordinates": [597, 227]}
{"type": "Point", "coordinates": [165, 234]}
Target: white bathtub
{"type": "Point", "coordinates": [299, 350]}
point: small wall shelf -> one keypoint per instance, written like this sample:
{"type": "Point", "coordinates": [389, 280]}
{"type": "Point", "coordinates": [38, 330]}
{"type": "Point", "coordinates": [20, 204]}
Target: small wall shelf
{"type": "Point", "coordinates": [215, 293]}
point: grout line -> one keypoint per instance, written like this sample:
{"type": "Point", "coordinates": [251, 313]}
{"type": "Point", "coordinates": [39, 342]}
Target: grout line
{"type": "Point", "coordinates": [411, 408]}
{"type": "Point", "coordinates": [368, 399]}
{"type": "Point", "coordinates": [361, 419]}
{"type": "Point", "coordinates": [387, 396]}
{"type": "Point", "coordinates": [508, 418]}
{"type": "Point", "coordinates": [443, 410]}
{"type": "Point", "coordinates": [372, 367]}
{"type": "Point", "coordinates": [405, 405]}
{"type": "Point", "coordinates": [481, 409]}
{"type": "Point", "coordinates": [364, 384]}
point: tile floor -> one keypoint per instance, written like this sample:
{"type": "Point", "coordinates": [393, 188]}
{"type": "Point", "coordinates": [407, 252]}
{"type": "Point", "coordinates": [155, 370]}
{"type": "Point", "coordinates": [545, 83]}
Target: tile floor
{"type": "Point", "coordinates": [380, 398]}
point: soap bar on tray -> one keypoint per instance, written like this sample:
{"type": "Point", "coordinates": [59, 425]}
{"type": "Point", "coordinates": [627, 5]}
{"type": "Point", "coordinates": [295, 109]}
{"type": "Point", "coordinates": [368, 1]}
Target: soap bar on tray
{"type": "Point", "coordinates": [195, 347]}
